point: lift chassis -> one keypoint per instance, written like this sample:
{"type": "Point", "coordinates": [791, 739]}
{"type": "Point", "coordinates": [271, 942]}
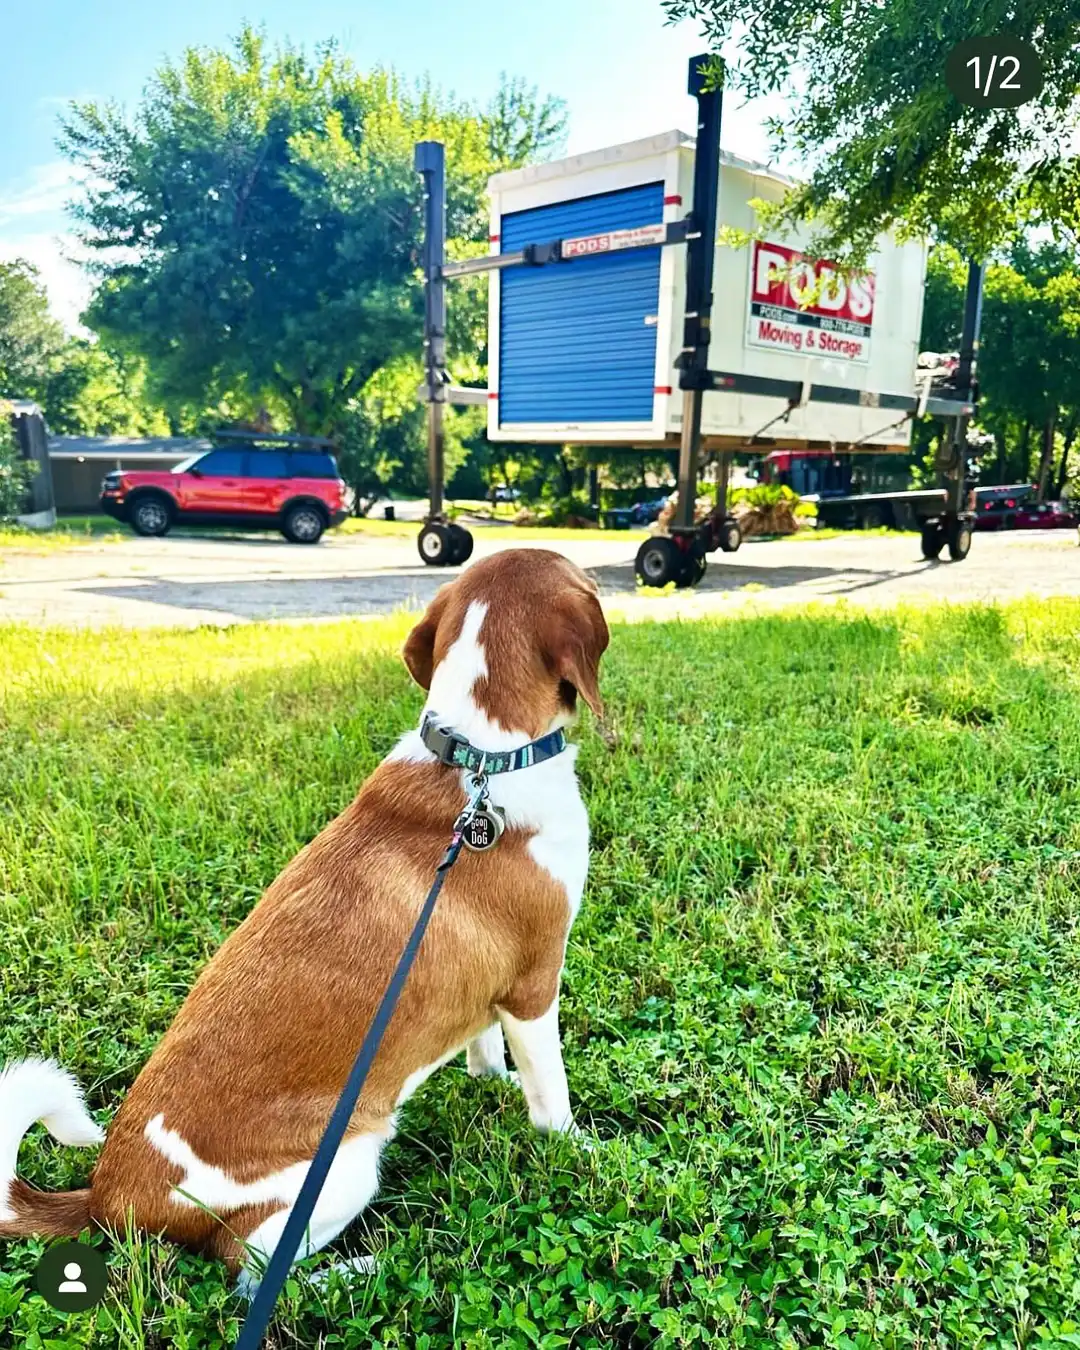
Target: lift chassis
{"type": "Point", "coordinates": [679, 555]}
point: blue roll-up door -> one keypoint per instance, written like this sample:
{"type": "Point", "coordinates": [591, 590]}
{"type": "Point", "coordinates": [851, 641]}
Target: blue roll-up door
{"type": "Point", "coordinates": [577, 340]}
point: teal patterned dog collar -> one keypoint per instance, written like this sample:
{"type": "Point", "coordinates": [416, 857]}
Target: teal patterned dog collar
{"type": "Point", "coordinates": [451, 748]}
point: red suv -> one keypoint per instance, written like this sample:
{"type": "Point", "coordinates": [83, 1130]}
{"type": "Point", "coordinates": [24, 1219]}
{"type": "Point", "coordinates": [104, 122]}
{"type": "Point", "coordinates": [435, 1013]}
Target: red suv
{"type": "Point", "coordinates": [298, 492]}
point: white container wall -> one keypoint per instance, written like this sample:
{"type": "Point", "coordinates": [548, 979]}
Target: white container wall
{"type": "Point", "coordinates": [585, 350]}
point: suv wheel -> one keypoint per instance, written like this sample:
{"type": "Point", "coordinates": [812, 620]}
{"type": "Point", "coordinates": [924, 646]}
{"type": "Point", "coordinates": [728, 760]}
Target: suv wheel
{"type": "Point", "coordinates": [151, 515]}
{"type": "Point", "coordinates": [303, 524]}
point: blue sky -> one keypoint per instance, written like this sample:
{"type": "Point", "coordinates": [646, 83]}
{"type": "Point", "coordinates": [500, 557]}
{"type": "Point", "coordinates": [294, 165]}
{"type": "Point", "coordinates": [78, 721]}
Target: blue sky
{"type": "Point", "coordinates": [621, 71]}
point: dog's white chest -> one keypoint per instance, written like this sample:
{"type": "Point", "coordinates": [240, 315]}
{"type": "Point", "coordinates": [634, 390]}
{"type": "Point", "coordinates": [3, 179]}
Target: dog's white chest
{"type": "Point", "coordinates": [547, 801]}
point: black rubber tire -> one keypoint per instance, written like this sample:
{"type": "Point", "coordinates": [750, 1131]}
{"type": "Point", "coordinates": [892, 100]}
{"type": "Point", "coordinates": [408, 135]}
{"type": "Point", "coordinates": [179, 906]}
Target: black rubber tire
{"type": "Point", "coordinates": [461, 544]}
{"type": "Point", "coordinates": [959, 539]}
{"type": "Point", "coordinates": [694, 571]}
{"type": "Point", "coordinates": [151, 515]}
{"type": "Point", "coordinates": [932, 540]}
{"type": "Point", "coordinates": [434, 543]}
{"type": "Point", "coordinates": [659, 562]}
{"type": "Point", "coordinates": [303, 523]}
{"type": "Point", "coordinates": [730, 536]}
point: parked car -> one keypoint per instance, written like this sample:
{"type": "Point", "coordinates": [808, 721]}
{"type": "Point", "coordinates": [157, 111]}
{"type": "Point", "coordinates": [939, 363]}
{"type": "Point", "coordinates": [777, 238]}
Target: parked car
{"type": "Point", "coordinates": [502, 493]}
{"type": "Point", "coordinates": [298, 492]}
{"type": "Point", "coordinates": [1046, 516]}
{"type": "Point", "coordinates": [641, 513]}
{"type": "Point", "coordinates": [1015, 513]}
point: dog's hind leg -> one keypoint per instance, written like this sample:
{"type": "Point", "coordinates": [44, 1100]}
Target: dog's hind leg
{"type": "Point", "coordinates": [350, 1186]}
{"type": "Point", "coordinates": [486, 1054]}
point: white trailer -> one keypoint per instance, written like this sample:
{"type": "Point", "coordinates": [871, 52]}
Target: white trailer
{"type": "Point", "coordinates": [616, 318]}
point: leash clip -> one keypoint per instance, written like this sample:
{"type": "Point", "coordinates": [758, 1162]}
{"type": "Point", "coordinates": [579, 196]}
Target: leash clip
{"type": "Point", "coordinates": [477, 792]}
{"type": "Point", "coordinates": [481, 823]}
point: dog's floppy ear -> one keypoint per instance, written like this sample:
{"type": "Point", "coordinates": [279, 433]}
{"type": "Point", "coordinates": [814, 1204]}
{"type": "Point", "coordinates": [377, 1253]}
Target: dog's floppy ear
{"type": "Point", "coordinates": [579, 639]}
{"type": "Point", "coordinates": [419, 649]}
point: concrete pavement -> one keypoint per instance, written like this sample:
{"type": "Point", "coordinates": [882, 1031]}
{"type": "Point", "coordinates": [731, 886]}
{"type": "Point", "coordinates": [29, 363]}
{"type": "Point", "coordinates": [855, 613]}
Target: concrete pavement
{"type": "Point", "coordinates": [184, 581]}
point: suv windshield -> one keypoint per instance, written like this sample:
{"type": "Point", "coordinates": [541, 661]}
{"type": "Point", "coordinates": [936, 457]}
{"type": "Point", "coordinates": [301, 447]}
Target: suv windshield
{"type": "Point", "coordinates": [186, 464]}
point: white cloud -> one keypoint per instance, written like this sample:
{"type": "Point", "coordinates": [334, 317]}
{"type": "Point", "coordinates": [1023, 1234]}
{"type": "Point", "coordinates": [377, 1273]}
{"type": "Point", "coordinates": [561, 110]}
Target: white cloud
{"type": "Point", "coordinates": [56, 257]}
{"type": "Point", "coordinates": [44, 190]}
{"type": "Point", "coordinates": [33, 226]}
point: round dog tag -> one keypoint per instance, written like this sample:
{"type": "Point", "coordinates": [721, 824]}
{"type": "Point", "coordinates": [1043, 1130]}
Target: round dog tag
{"type": "Point", "coordinates": [483, 830]}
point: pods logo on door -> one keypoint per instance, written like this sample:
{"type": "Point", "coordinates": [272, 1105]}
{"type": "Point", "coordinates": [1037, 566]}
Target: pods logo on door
{"type": "Point", "coordinates": [807, 308]}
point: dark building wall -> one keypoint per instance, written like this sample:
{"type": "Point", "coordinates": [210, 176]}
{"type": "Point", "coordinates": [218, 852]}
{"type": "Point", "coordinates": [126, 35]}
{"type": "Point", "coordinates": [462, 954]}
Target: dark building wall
{"type": "Point", "coordinates": [30, 435]}
{"type": "Point", "coordinates": [77, 485]}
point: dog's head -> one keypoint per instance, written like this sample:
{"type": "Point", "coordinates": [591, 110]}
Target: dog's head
{"type": "Point", "coordinates": [520, 633]}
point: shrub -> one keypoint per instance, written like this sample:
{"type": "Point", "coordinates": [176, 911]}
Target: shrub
{"type": "Point", "coordinates": [14, 471]}
{"type": "Point", "coordinates": [765, 495]}
{"type": "Point", "coordinates": [571, 511]}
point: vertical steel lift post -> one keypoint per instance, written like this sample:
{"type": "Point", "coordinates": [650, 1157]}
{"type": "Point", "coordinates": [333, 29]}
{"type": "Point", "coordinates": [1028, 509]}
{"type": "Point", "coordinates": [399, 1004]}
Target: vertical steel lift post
{"type": "Point", "coordinates": [680, 555]}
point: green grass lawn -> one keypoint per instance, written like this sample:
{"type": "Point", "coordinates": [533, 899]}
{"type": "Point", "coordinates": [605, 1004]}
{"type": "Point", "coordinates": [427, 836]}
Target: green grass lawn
{"type": "Point", "coordinates": [822, 1003]}
{"type": "Point", "coordinates": [69, 532]}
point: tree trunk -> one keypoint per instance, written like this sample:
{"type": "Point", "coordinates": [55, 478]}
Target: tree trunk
{"type": "Point", "coordinates": [566, 475]}
{"type": "Point", "coordinates": [1025, 454]}
{"type": "Point", "coordinates": [505, 462]}
{"type": "Point", "coordinates": [1046, 457]}
{"type": "Point", "coordinates": [1062, 479]}
{"type": "Point", "coordinates": [1001, 459]}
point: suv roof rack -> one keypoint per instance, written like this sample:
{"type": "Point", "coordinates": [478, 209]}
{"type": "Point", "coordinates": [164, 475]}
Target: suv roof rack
{"type": "Point", "coordinates": [274, 438]}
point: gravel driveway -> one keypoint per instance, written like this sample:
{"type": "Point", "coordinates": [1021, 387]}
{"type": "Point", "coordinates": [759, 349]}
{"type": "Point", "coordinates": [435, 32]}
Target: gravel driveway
{"type": "Point", "coordinates": [183, 581]}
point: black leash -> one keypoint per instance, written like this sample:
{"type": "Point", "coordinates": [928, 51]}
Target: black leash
{"type": "Point", "coordinates": [279, 1265]}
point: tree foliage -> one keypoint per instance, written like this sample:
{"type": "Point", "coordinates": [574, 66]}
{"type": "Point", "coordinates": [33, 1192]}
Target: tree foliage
{"type": "Point", "coordinates": [91, 391]}
{"type": "Point", "coordinates": [885, 142]}
{"type": "Point", "coordinates": [14, 471]}
{"type": "Point", "coordinates": [82, 387]}
{"type": "Point", "coordinates": [1029, 359]}
{"type": "Point", "coordinates": [257, 223]}
{"type": "Point", "coordinates": [30, 339]}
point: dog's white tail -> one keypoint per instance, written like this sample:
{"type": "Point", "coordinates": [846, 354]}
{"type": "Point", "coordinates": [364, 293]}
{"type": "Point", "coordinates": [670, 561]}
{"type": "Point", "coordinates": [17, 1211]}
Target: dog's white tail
{"type": "Point", "coordinates": [33, 1090]}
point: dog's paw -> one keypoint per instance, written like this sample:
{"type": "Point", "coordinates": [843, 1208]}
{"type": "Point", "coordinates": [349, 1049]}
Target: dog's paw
{"type": "Point", "coordinates": [345, 1270]}
{"type": "Point", "coordinates": [247, 1284]}
{"type": "Point", "coordinates": [583, 1139]}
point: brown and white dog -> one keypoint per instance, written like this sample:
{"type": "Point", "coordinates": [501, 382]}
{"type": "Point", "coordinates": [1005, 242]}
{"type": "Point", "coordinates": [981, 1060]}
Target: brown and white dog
{"type": "Point", "coordinates": [216, 1134]}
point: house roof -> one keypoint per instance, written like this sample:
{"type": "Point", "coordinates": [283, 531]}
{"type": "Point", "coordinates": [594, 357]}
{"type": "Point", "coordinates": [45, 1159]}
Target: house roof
{"type": "Point", "coordinates": [19, 407]}
{"type": "Point", "coordinates": [126, 447]}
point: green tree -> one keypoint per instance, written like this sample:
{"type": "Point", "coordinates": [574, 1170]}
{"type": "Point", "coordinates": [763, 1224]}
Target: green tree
{"type": "Point", "coordinates": [885, 142]}
{"type": "Point", "coordinates": [91, 391]}
{"type": "Point", "coordinates": [1029, 359]}
{"type": "Point", "coordinates": [30, 338]}
{"type": "Point", "coordinates": [257, 222]}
